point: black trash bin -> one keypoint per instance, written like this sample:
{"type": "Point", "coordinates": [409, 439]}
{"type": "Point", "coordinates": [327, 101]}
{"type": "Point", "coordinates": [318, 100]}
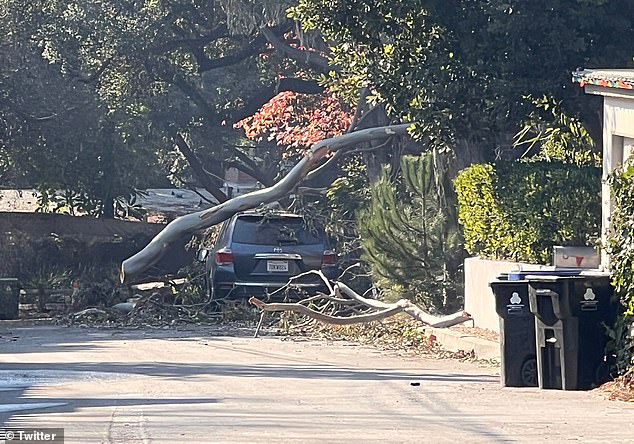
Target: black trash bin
{"type": "Point", "coordinates": [571, 314]}
{"type": "Point", "coordinates": [9, 298]}
{"type": "Point", "coordinates": [517, 333]}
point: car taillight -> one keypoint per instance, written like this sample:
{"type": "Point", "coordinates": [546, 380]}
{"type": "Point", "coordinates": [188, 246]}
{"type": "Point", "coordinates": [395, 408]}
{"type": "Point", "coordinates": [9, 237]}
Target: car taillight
{"type": "Point", "coordinates": [224, 257]}
{"type": "Point", "coordinates": [329, 258]}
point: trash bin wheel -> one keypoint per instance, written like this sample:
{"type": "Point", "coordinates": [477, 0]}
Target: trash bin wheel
{"type": "Point", "coordinates": [528, 372]}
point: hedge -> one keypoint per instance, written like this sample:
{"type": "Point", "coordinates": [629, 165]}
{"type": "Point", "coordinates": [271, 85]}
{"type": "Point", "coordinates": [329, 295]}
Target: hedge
{"type": "Point", "coordinates": [519, 210]}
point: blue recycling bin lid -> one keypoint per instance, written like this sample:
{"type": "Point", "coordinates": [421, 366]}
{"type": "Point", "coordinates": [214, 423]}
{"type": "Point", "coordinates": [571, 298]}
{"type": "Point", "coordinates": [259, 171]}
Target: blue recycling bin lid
{"type": "Point", "coordinates": [563, 272]}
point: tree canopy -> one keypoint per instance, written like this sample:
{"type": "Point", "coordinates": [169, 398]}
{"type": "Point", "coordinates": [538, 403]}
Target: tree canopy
{"type": "Point", "coordinates": [175, 74]}
{"type": "Point", "coordinates": [464, 70]}
{"type": "Point", "coordinates": [163, 82]}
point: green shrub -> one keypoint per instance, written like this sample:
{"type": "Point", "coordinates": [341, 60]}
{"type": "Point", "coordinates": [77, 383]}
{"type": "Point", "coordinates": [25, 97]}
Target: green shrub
{"type": "Point", "coordinates": [620, 246]}
{"type": "Point", "coordinates": [520, 210]}
{"type": "Point", "coordinates": [411, 238]}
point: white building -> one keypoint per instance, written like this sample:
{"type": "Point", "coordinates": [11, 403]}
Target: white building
{"type": "Point", "coordinates": [617, 88]}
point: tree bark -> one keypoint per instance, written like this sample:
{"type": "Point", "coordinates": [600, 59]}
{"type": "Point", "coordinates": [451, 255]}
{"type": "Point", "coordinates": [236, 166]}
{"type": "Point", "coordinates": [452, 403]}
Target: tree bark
{"type": "Point", "coordinates": [207, 218]}
{"type": "Point", "coordinates": [383, 310]}
{"type": "Point", "coordinates": [311, 59]}
{"type": "Point", "coordinates": [199, 171]}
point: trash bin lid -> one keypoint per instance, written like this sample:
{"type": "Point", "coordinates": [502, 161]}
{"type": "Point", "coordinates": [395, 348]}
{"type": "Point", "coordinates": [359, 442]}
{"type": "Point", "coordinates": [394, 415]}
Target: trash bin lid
{"type": "Point", "coordinates": [538, 274]}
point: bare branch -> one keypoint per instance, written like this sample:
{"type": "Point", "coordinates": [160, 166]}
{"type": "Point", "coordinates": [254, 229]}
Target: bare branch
{"type": "Point", "coordinates": [312, 190]}
{"type": "Point", "coordinates": [350, 267]}
{"type": "Point", "coordinates": [363, 309]}
{"type": "Point", "coordinates": [319, 274]}
{"type": "Point", "coordinates": [363, 93]}
{"type": "Point", "coordinates": [410, 308]}
{"type": "Point", "coordinates": [302, 309]}
{"type": "Point", "coordinates": [328, 298]}
{"type": "Point", "coordinates": [312, 59]}
{"type": "Point", "coordinates": [341, 154]}
{"type": "Point", "coordinates": [341, 288]}
{"type": "Point", "coordinates": [384, 311]}
{"type": "Point", "coordinates": [199, 170]}
{"type": "Point", "coordinates": [324, 166]}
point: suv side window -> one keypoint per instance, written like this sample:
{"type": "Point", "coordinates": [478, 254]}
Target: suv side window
{"type": "Point", "coordinates": [223, 236]}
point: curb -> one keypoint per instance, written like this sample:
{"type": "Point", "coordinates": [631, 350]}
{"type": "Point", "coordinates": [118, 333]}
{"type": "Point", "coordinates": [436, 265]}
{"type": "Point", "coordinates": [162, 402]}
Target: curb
{"type": "Point", "coordinates": [17, 323]}
{"type": "Point", "coordinates": [458, 341]}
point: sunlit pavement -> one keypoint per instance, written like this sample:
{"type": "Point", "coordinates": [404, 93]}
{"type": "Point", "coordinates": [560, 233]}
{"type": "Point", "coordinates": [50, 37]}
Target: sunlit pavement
{"type": "Point", "coordinates": [135, 386]}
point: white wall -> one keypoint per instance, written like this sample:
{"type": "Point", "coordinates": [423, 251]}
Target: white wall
{"type": "Point", "coordinates": [618, 139]}
{"type": "Point", "coordinates": [479, 300]}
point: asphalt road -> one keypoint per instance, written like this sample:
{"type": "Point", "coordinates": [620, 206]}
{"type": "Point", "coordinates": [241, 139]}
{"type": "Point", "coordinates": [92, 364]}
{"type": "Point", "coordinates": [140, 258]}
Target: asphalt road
{"type": "Point", "coordinates": [158, 386]}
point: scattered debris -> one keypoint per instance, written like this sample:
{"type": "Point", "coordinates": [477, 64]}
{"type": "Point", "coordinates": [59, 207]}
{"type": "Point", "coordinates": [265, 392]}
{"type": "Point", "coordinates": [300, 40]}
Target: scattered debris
{"type": "Point", "coordinates": [90, 312]}
{"type": "Point", "coordinates": [165, 306]}
{"type": "Point", "coordinates": [343, 306]}
{"type": "Point", "coordinates": [478, 332]}
{"type": "Point", "coordinates": [124, 307]}
{"type": "Point", "coordinates": [400, 334]}
{"type": "Point", "coordinates": [157, 311]}
{"type": "Point", "coordinates": [621, 389]}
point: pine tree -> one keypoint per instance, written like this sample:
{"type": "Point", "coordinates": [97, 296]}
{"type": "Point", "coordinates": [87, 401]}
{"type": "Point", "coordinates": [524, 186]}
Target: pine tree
{"type": "Point", "coordinates": [410, 234]}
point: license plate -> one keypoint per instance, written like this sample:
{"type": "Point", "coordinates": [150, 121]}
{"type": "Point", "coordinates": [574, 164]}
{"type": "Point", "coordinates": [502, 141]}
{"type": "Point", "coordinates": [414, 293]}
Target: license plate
{"type": "Point", "coordinates": [273, 266]}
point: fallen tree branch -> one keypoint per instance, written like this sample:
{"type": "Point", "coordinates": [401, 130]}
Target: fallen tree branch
{"type": "Point", "coordinates": [319, 274]}
{"type": "Point", "coordinates": [190, 223]}
{"type": "Point", "coordinates": [384, 310]}
{"type": "Point", "coordinates": [410, 308]}
{"type": "Point", "coordinates": [302, 309]}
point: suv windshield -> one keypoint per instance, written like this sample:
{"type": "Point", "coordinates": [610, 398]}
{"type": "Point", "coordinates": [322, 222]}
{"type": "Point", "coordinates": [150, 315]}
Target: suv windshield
{"type": "Point", "coordinates": [273, 230]}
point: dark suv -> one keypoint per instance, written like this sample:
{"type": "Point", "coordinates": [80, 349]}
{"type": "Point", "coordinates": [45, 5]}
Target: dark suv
{"type": "Point", "coordinates": [257, 253]}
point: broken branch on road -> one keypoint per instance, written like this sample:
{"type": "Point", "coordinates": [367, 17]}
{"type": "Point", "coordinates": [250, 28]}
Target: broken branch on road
{"type": "Point", "coordinates": [335, 308]}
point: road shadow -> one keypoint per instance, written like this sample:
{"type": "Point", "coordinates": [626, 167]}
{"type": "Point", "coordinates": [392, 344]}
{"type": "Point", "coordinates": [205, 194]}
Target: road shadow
{"type": "Point", "coordinates": [296, 371]}
{"type": "Point", "coordinates": [41, 340]}
{"type": "Point", "coordinates": [45, 373]}
{"type": "Point", "coordinates": [16, 408]}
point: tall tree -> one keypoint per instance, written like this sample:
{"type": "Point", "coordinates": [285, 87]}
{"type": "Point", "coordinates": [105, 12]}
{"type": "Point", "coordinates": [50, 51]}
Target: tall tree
{"type": "Point", "coordinates": [462, 70]}
{"type": "Point", "coordinates": [56, 135]}
{"type": "Point", "coordinates": [190, 69]}
{"type": "Point", "coordinates": [412, 245]}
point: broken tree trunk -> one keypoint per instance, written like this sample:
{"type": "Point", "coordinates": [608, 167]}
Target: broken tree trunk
{"type": "Point", "coordinates": [212, 216]}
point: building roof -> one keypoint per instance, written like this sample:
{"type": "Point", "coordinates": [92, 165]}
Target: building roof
{"type": "Point", "coordinates": [607, 78]}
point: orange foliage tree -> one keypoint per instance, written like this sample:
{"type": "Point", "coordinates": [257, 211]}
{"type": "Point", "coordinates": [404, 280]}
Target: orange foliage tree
{"type": "Point", "coordinates": [297, 121]}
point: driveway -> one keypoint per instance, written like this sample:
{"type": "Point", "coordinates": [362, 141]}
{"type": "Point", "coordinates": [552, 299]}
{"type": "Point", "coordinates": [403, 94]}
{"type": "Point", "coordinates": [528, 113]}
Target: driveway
{"type": "Point", "coordinates": [166, 386]}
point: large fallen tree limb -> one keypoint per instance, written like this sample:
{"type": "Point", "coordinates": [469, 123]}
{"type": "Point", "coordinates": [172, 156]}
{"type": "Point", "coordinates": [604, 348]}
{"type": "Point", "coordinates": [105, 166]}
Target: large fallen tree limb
{"type": "Point", "coordinates": [302, 309]}
{"type": "Point", "coordinates": [410, 308]}
{"type": "Point", "coordinates": [204, 219]}
{"type": "Point", "coordinates": [402, 306]}
{"type": "Point", "coordinates": [374, 309]}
